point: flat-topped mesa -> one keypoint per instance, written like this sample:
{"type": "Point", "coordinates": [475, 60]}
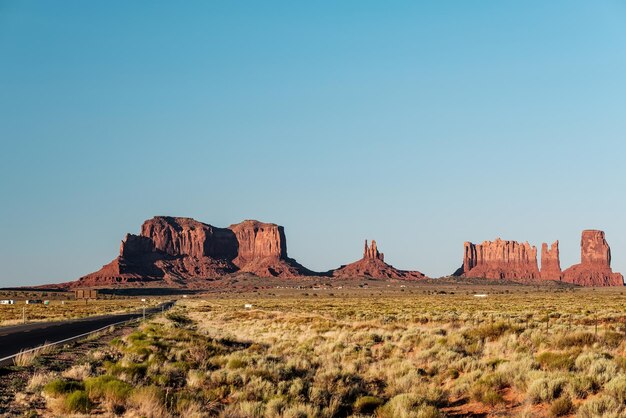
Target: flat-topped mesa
{"type": "Point", "coordinates": [262, 250]}
{"type": "Point", "coordinates": [550, 262]}
{"type": "Point", "coordinates": [372, 265]}
{"type": "Point", "coordinates": [259, 240]}
{"type": "Point", "coordinates": [188, 237]}
{"type": "Point", "coordinates": [595, 266]}
{"type": "Point", "coordinates": [500, 259]}
{"type": "Point", "coordinates": [175, 250]}
{"type": "Point", "coordinates": [372, 252]}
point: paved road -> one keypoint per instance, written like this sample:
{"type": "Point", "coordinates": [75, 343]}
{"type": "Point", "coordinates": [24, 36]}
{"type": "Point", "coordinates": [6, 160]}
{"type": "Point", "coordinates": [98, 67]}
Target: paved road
{"type": "Point", "coordinates": [13, 339]}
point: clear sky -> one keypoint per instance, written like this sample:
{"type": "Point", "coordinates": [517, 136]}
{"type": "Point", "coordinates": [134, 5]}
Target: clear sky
{"type": "Point", "coordinates": [419, 124]}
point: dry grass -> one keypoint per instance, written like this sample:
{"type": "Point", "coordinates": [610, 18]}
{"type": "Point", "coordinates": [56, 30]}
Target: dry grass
{"type": "Point", "coordinates": [26, 358]}
{"type": "Point", "coordinates": [427, 355]}
{"type": "Point", "coordinates": [58, 310]}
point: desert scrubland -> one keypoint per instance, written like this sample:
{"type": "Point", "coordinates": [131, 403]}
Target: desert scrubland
{"type": "Point", "coordinates": [522, 353]}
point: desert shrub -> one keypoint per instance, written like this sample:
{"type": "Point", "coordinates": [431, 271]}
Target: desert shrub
{"type": "Point", "coordinates": [38, 380]}
{"type": "Point", "coordinates": [555, 361]}
{"type": "Point", "coordinates": [597, 366]}
{"type": "Point", "coordinates": [195, 378]}
{"type": "Point", "coordinates": [581, 386]}
{"type": "Point", "coordinates": [490, 331]}
{"type": "Point", "coordinates": [59, 387]}
{"type": "Point", "coordinates": [612, 339]}
{"type": "Point", "coordinates": [545, 389]}
{"type": "Point", "coordinates": [109, 388]}
{"type": "Point", "coordinates": [236, 363]}
{"type": "Point", "coordinates": [78, 372]}
{"type": "Point", "coordinates": [482, 392]}
{"type": "Point", "coordinates": [128, 371]}
{"type": "Point", "coordinates": [407, 405]}
{"type": "Point", "coordinates": [148, 400]}
{"type": "Point", "coordinates": [491, 397]}
{"type": "Point", "coordinates": [620, 362]}
{"type": "Point", "coordinates": [77, 401]}
{"type": "Point", "coordinates": [561, 406]}
{"type": "Point", "coordinates": [179, 319]}
{"type": "Point", "coordinates": [367, 404]}
{"type": "Point", "coordinates": [300, 410]}
{"type": "Point", "coordinates": [616, 388]}
{"type": "Point", "coordinates": [575, 339]}
{"type": "Point", "coordinates": [602, 407]}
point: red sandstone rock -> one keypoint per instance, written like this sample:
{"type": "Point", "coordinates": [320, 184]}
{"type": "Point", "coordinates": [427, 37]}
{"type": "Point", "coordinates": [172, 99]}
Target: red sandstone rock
{"type": "Point", "coordinates": [500, 259]}
{"type": "Point", "coordinates": [175, 250]}
{"type": "Point", "coordinates": [595, 266]}
{"type": "Point", "coordinates": [372, 252]}
{"type": "Point", "coordinates": [550, 262]}
{"type": "Point", "coordinates": [372, 265]}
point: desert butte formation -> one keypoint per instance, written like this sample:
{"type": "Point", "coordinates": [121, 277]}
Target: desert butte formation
{"type": "Point", "coordinates": [184, 252]}
{"type": "Point", "coordinates": [373, 265]}
{"type": "Point", "coordinates": [178, 251]}
{"type": "Point", "coordinates": [516, 261]}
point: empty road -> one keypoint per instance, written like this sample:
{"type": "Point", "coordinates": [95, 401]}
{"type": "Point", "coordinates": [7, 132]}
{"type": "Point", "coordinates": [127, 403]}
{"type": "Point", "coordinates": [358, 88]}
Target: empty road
{"type": "Point", "coordinates": [14, 339]}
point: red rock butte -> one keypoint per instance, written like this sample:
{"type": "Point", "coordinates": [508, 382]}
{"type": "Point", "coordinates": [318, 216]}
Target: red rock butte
{"type": "Point", "coordinates": [594, 268]}
{"type": "Point", "coordinates": [373, 265]}
{"type": "Point", "coordinates": [518, 262]}
{"type": "Point", "coordinates": [500, 259]}
{"type": "Point", "coordinates": [177, 251]}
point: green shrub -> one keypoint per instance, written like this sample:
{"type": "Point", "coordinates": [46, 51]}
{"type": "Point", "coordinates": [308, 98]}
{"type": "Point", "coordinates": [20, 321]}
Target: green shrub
{"type": "Point", "coordinates": [556, 361]}
{"type": "Point", "coordinates": [60, 387]}
{"type": "Point", "coordinates": [109, 388]}
{"type": "Point", "coordinates": [236, 363]}
{"type": "Point", "coordinates": [77, 401]}
{"type": "Point", "coordinates": [367, 404]}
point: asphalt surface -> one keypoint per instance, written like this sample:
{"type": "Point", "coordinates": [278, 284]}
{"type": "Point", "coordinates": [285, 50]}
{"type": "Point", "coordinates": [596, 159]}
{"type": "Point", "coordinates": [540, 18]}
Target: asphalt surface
{"type": "Point", "coordinates": [14, 339]}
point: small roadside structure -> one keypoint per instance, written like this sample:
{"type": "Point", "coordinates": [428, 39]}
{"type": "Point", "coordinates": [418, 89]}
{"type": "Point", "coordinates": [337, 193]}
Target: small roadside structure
{"type": "Point", "coordinates": [247, 306]}
{"type": "Point", "coordinates": [86, 294]}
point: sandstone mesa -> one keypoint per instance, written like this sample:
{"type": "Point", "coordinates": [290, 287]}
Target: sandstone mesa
{"type": "Point", "coordinates": [175, 251]}
{"type": "Point", "coordinates": [516, 261]}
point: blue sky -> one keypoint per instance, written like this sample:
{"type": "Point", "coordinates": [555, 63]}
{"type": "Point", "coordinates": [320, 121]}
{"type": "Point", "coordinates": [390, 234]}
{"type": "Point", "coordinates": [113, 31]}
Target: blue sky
{"type": "Point", "coordinates": [419, 124]}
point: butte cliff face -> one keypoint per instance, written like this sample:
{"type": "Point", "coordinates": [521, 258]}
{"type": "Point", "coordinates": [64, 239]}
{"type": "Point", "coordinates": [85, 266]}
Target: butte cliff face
{"type": "Point", "coordinates": [500, 259]}
{"type": "Point", "coordinates": [550, 262]}
{"type": "Point", "coordinates": [594, 268]}
{"type": "Point", "coordinates": [518, 262]}
{"type": "Point", "coordinates": [178, 250]}
{"type": "Point", "coordinates": [373, 265]}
